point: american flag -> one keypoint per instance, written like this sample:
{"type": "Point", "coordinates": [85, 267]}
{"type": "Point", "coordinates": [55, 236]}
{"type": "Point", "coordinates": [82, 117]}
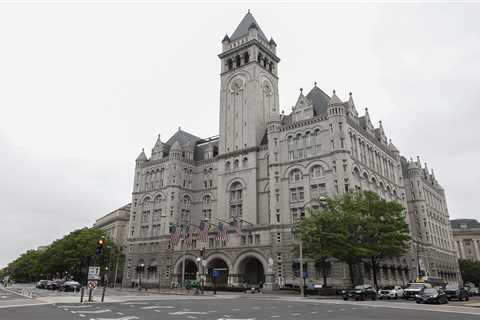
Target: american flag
{"type": "Point", "coordinates": [238, 226]}
{"type": "Point", "coordinates": [221, 232]}
{"type": "Point", "coordinates": [189, 236]}
{"type": "Point", "coordinates": [203, 234]}
{"type": "Point", "coordinates": [175, 234]}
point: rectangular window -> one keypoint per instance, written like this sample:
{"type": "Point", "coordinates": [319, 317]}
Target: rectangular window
{"type": "Point", "coordinates": [243, 240]}
{"type": "Point", "coordinates": [257, 239]}
{"type": "Point", "coordinates": [342, 143]}
{"type": "Point", "coordinates": [250, 239]}
{"type": "Point", "coordinates": [293, 194]}
{"type": "Point", "coordinates": [301, 194]}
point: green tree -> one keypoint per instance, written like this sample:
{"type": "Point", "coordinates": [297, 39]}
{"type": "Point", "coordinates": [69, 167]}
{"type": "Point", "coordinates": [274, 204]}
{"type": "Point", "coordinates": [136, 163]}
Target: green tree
{"type": "Point", "coordinates": [353, 228]}
{"type": "Point", "coordinates": [66, 257]}
{"type": "Point", "coordinates": [385, 230]}
{"type": "Point", "coordinates": [470, 271]}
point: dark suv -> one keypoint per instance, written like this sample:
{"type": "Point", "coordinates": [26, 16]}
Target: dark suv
{"type": "Point", "coordinates": [361, 293]}
{"type": "Point", "coordinates": [455, 291]}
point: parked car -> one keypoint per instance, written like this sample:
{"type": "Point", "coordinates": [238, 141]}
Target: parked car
{"type": "Point", "coordinates": [70, 286]}
{"type": "Point", "coordinates": [455, 291]}
{"type": "Point", "coordinates": [54, 285]}
{"type": "Point", "coordinates": [415, 288]}
{"type": "Point", "coordinates": [431, 295]}
{"type": "Point", "coordinates": [472, 291]}
{"type": "Point", "coordinates": [390, 292]}
{"type": "Point", "coordinates": [361, 293]}
{"type": "Point", "coordinates": [41, 284]}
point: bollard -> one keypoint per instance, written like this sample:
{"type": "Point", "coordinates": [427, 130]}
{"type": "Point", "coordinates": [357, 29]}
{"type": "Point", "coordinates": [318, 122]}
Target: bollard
{"type": "Point", "coordinates": [103, 293]}
{"type": "Point", "coordinates": [81, 295]}
{"type": "Point", "coordinates": [90, 295]}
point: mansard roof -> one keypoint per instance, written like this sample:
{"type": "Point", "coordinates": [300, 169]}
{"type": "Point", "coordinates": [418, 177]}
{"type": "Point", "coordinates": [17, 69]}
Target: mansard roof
{"type": "Point", "coordinates": [470, 223]}
{"type": "Point", "coordinates": [319, 100]}
{"type": "Point", "coordinates": [183, 138]}
{"type": "Point", "coordinates": [244, 26]}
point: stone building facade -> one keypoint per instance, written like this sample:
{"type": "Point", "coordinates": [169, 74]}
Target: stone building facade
{"type": "Point", "coordinates": [115, 224]}
{"type": "Point", "coordinates": [433, 246]}
{"type": "Point", "coordinates": [264, 169]}
{"type": "Point", "coordinates": [466, 236]}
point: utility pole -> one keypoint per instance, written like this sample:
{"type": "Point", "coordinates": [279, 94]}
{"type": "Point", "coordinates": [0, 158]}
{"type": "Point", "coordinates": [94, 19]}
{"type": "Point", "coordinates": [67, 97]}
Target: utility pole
{"type": "Point", "coordinates": [302, 293]}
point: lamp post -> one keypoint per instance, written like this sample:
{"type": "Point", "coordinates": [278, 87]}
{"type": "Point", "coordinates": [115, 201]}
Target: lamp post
{"type": "Point", "coordinates": [142, 266]}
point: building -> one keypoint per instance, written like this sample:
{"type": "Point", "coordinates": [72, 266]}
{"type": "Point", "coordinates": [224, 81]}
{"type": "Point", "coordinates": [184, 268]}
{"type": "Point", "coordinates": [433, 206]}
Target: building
{"type": "Point", "coordinates": [433, 246]}
{"type": "Point", "coordinates": [261, 173]}
{"type": "Point", "coordinates": [115, 225]}
{"type": "Point", "coordinates": [466, 235]}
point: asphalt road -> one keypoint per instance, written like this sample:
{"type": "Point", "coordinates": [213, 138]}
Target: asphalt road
{"type": "Point", "coordinates": [252, 307]}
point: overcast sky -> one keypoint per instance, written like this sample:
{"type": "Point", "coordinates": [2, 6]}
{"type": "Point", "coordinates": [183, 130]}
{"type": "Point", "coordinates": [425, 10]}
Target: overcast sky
{"type": "Point", "coordinates": [84, 87]}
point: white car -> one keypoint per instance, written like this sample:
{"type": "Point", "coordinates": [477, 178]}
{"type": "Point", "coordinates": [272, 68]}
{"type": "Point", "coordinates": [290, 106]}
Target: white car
{"type": "Point", "coordinates": [390, 292]}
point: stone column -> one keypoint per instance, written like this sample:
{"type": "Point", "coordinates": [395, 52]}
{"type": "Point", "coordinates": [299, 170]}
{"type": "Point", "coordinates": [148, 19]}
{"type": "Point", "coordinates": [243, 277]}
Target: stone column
{"type": "Point", "coordinates": [477, 252]}
{"type": "Point", "coordinates": [269, 280]}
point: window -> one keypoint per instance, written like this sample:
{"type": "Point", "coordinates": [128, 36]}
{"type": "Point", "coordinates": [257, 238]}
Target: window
{"type": "Point", "coordinates": [316, 172]}
{"type": "Point", "coordinates": [295, 176]}
{"type": "Point", "coordinates": [235, 164]}
{"type": "Point", "coordinates": [236, 199]}
{"type": "Point", "coordinates": [257, 239]}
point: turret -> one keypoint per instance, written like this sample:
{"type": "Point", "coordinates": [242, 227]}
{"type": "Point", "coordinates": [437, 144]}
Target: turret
{"type": "Point", "coordinates": [158, 149]}
{"type": "Point", "coordinates": [335, 106]}
{"type": "Point", "coordinates": [142, 157]}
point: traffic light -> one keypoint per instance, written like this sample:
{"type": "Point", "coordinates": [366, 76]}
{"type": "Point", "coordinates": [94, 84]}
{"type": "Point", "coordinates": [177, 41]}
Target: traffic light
{"type": "Point", "coordinates": [100, 245]}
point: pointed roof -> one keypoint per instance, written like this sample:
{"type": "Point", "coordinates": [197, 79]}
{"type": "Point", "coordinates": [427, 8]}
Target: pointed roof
{"type": "Point", "coordinates": [142, 156]}
{"type": "Point", "coordinates": [334, 100]}
{"type": "Point", "coordinates": [319, 100]}
{"type": "Point", "coordinates": [182, 137]}
{"type": "Point", "coordinates": [245, 25]}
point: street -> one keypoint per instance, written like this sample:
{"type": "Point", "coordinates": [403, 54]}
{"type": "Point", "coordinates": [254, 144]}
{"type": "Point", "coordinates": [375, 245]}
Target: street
{"type": "Point", "coordinates": [231, 307]}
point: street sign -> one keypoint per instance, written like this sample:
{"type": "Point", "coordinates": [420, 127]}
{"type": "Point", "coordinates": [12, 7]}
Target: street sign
{"type": "Point", "coordinates": [92, 284]}
{"type": "Point", "coordinates": [93, 273]}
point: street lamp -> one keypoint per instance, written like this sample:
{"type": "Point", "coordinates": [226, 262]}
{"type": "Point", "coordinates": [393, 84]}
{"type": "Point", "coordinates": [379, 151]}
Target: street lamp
{"type": "Point", "coordinates": [141, 267]}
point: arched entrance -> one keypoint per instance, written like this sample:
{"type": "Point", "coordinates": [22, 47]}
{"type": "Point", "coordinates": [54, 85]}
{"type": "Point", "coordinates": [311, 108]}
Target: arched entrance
{"type": "Point", "coordinates": [220, 267]}
{"type": "Point", "coordinates": [251, 271]}
{"type": "Point", "coordinates": [190, 270]}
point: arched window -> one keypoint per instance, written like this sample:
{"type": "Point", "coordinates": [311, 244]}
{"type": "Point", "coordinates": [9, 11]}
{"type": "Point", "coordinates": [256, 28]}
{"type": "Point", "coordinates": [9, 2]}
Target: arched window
{"type": "Point", "coordinates": [246, 57]}
{"type": "Point", "coordinates": [238, 61]}
{"type": "Point", "coordinates": [270, 67]}
{"type": "Point", "coordinates": [236, 199]}
{"type": "Point", "coordinates": [259, 58]}
{"type": "Point", "coordinates": [235, 164]}
{"type": "Point", "coordinates": [158, 200]}
{"type": "Point", "coordinates": [185, 214]}
{"type": "Point", "coordinates": [146, 201]}
{"type": "Point", "coordinates": [295, 176]}
{"type": "Point", "coordinates": [206, 199]}
{"type": "Point", "coordinates": [227, 166]}
{"type": "Point", "coordinates": [265, 62]}
{"type": "Point", "coordinates": [316, 172]}
{"type": "Point", "coordinates": [186, 202]}
{"type": "Point", "coordinates": [290, 142]}
{"type": "Point", "coordinates": [230, 64]}
{"type": "Point", "coordinates": [245, 162]}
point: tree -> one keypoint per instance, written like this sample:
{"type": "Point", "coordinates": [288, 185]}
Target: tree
{"type": "Point", "coordinates": [353, 228]}
{"type": "Point", "coordinates": [470, 271]}
{"type": "Point", "coordinates": [66, 257]}
{"type": "Point", "coordinates": [386, 232]}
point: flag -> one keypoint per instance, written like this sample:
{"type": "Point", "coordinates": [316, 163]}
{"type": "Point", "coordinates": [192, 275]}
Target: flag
{"type": "Point", "coordinates": [203, 235]}
{"type": "Point", "coordinates": [189, 236]}
{"type": "Point", "coordinates": [221, 232]}
{"type": "Point", "coordinates": [238, 226]}
{"type": "Point", "coordinates": [175, 234]}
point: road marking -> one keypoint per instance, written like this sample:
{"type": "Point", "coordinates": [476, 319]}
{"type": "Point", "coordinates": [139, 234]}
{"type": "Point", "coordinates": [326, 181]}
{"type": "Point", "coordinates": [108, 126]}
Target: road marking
{"type": "Point", "coordinates": [120, 313]}
{"type": "Point", "coordinates": [134, 303]}
{"type": "Point", "coordinates": [122, 318]}
{"type": "Point", "coordinates": [275, 316]}
{"type": "Point", "coordinates": [314, 312]}
{"type": "Point", "coordinates": [235, 319]}
{"type": "Point", "coordinates": [191, 317]}
{"type": "Point", "coordinates": [296, 314]}
{"type": "Point", "coordinates": [82, 315]}
{"type": "Point", "coordinates": [72, 307]}
{"type": "Point", "coordinates": [179, 313]}
{"type": "Point", "coordinates": [158, 307]}
{"type": "Point", "coordinates": [93, 311]}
